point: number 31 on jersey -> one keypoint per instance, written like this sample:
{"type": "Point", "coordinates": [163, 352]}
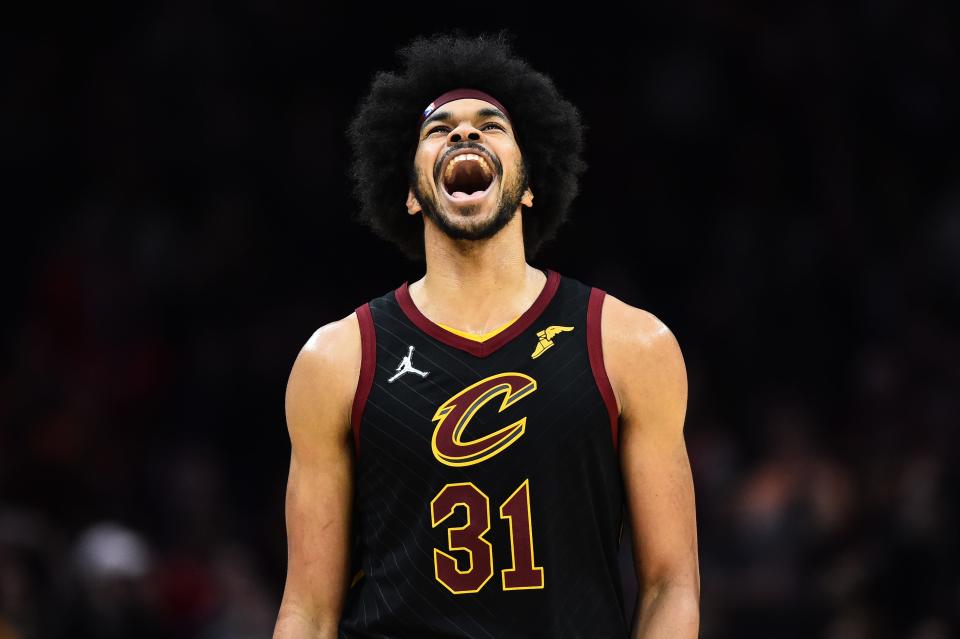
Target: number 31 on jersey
{"type": "Point", "coordinates": [524, 574]}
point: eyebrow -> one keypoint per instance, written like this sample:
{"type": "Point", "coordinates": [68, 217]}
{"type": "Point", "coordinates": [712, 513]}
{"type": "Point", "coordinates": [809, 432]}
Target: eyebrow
{"type": "Point", "coordinates": [489, 112]}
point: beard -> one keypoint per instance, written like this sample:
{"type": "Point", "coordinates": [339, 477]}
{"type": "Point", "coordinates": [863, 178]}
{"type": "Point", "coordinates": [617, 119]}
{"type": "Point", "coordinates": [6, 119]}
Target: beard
{"type": "Point", "coordinates": [505, 209]}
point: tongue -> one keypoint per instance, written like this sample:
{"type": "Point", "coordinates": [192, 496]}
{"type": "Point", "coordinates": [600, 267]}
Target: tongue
{"type": "Point", "coordinates": [459, 194]}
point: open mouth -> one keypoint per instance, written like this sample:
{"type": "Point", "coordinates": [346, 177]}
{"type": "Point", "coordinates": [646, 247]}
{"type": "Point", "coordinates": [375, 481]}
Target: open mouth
{"type": "Point", "coordinates": [467, 177]}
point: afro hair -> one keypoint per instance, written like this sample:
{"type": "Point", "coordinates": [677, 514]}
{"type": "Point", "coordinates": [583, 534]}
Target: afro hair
{"type": "Point", "coordinates": [384, 135]}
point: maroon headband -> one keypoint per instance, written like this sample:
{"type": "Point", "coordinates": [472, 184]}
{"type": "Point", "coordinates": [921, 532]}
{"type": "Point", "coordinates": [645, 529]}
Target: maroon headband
{"type": "Point", "coordinates": [459, 94]}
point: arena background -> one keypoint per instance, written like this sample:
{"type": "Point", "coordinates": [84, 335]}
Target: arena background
{"type": "Point", "coordinates": [177, 224]}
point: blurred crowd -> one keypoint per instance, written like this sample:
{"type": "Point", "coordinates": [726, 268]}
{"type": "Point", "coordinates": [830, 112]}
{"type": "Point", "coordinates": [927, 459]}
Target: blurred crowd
{"type": "Point", "coordinates": [181, 227]}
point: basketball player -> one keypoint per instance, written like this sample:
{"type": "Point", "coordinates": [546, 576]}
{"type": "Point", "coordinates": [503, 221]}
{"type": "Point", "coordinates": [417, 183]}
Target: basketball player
{"type": "Point", "coordinates": [465, 447]}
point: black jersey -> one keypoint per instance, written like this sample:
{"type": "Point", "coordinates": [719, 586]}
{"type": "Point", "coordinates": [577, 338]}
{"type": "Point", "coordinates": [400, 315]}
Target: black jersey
{"type": "Point", "coordinates": [488, 495]}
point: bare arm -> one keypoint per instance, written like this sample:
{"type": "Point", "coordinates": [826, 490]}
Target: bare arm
{"type": "Point", "coordinates": [649, 378]}
{"type": "Point", "coordinates": [320, 485]}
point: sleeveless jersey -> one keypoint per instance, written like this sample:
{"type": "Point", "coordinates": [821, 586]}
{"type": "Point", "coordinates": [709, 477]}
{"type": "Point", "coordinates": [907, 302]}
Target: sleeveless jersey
{"type": "Point", "coordinates": [488, 498]}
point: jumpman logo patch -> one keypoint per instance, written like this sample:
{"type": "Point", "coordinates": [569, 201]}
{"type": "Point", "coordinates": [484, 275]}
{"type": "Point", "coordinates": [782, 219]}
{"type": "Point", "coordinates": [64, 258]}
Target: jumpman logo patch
{"type": "Point", "coordinates": [406, 367]}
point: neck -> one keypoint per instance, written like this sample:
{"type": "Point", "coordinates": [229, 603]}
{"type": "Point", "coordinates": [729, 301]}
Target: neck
{"type": "Point", "coordinates": [476, 286]}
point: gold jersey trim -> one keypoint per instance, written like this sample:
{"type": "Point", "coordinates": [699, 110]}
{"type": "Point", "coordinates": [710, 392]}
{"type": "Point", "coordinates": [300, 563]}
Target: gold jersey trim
{"type": "Point", "coordinates": [475, 336]}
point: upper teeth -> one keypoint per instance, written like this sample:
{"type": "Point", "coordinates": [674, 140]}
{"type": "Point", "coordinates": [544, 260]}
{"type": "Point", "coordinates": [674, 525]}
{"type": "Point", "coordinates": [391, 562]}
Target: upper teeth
{"type": "Point", "coordinates": [467, 156]}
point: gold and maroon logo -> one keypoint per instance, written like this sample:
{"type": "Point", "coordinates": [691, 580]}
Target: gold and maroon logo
{"type": "Point", "coordinates": [453, 416]}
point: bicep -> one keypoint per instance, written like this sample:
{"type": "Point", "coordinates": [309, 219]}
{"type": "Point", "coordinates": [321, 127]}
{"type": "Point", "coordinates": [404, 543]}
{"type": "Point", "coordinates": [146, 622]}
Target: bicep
{"type": "Point", "coordinates": [320, 481]}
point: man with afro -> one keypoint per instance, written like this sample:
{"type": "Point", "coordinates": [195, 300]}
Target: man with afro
{"type": "Point", "coordinates": [466, 448]}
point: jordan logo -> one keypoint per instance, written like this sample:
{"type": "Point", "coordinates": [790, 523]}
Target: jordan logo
{"type": "Point", "coordinates": [406, 367]}
{"type": "Point", "coordinates": [546, 339]}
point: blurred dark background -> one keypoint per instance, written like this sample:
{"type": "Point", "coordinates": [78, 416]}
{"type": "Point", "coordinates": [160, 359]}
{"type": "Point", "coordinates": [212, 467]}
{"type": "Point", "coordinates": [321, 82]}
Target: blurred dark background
{"type": "Point", "coordinates": [176, 224]}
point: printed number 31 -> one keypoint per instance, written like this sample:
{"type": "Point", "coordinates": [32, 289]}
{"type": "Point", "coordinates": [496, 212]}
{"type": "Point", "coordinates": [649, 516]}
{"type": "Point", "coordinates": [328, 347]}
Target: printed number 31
{"type": "Point", "coordinates": [522, 575]}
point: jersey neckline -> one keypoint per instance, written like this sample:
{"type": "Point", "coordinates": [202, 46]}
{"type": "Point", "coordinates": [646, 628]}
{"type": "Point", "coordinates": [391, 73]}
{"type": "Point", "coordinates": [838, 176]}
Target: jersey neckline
{"type": "Point", "coordinates": [479, 349]}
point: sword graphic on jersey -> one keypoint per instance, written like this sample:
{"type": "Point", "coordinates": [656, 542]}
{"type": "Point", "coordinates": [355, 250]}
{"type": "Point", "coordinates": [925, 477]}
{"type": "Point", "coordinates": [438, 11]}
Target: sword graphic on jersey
{"type": "Point", "coordinates": [406, 367]}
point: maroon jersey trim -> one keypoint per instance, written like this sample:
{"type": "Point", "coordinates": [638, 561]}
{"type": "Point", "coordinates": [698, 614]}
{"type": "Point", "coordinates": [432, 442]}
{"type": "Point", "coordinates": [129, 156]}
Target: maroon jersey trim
{"type": "Point", "coordinates": [485, 348]}
{"type": "Point", "coordinates": [595, 350]}
{"type": "Point", "coordinates": [368, 365]}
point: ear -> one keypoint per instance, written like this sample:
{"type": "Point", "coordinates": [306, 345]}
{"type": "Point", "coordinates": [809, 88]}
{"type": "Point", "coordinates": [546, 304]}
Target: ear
{"type": "Point", "coordinates": [527, 198]}
{"type": "Point", "coordinates": [413, 206]}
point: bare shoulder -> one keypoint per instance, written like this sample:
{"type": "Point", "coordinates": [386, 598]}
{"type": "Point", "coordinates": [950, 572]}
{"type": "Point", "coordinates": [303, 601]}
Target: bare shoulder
{"type": "Point", "coordinates": [642, 357]}
{"type": "Point", "coordinates": [324, 378]}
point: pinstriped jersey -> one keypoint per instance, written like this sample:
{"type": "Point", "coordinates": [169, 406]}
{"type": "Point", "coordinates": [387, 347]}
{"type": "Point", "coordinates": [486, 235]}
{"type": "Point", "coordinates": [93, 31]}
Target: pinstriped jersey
{"type": "Point", "coordinates": [488, 499]}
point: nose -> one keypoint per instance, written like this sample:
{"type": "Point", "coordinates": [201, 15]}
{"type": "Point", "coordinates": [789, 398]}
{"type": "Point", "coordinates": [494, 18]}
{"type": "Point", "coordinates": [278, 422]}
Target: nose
{"type": "Point", "coordinates": [465, 129]}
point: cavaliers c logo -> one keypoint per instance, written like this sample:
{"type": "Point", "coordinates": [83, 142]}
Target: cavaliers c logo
{"type": "Point", "coordinates": [455, 414]}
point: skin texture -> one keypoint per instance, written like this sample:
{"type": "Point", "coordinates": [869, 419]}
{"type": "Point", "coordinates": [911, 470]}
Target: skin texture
{"type": "Point", "coordinates": [647, 372]}
{"type": "Point", "coordinates": [477, 279]}
{"type": "Point", "coordinates": [318, 402]}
